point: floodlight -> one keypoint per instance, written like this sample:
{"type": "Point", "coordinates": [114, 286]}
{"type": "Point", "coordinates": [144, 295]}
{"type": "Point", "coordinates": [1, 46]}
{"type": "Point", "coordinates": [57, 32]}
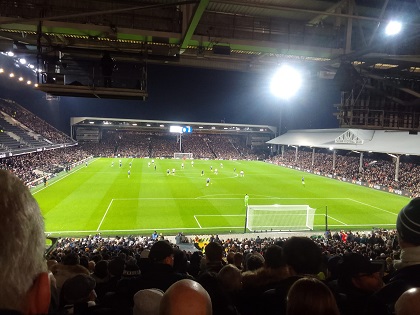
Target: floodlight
{"type": "Point", "coordinates": [11, 75]}
{"type": "Point", "coordinates": [10, 53]}
{"type": "Point", "coordinates": [285, 82]}
{"type": "Point", "coordinates": [22, 61]}
{"type": "Point", "coordinates": [393, 28]}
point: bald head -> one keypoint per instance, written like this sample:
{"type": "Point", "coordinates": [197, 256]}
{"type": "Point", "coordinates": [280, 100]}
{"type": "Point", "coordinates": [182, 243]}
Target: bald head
{"type": "Point", "coordinates": [186, 297]}
{"type": "Point", "coordinates": [408, 303]}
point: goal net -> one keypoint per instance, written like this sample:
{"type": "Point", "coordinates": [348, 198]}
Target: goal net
{"type": "Point", "coordinates": [280, 218]}
{"type": "Point", "coordinates": [180, 155]}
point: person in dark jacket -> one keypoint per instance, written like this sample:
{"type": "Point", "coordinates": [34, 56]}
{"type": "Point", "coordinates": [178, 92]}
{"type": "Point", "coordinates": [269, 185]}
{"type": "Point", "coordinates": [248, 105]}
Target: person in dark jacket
{"type": "Point", "coordinates": [407, 273]}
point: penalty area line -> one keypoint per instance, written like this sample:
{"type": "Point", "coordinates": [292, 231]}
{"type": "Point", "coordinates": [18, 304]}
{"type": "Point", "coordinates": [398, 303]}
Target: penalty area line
{"type": "Point", "coordinates": [106, 212]}
{"type": "Point", "coordinates": [196, 220]}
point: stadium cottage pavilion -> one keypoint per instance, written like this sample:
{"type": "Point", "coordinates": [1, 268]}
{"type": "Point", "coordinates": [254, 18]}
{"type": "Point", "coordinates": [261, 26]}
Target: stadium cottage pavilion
{"type": "Point", "coordinates": [365, 143]}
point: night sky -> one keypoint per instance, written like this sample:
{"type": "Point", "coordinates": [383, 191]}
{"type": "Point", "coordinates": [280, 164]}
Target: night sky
{"type": "Point", "coordinates": [193, 95]}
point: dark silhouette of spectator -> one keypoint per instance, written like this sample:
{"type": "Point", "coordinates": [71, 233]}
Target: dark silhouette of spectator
{"type": "Point", "coordinates": [68, 268]}
{"type": "Point", "coordinates": [407, 274]}
{"type": "Point", "coordinates": [358, 279]}
{"type": "Point", "coordinates": [161, 274]}
{"type": "Point", "coordinates": [24, 283]}
{"type": "Point", "coordinates": [303, 258]}
{"type": "Point", "coordinates": [311, 296]}
{"type": "Point", "coordinates": [213, 258]}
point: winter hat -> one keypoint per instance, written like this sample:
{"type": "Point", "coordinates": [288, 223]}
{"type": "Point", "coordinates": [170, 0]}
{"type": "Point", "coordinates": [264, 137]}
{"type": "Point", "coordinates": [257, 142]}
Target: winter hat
{"type": "Point", "coordinates": [146, 302]}
{"type": "Point", "coordinates": [78, 288]}
{"type": "Point", "coordinates": [353, 265]}
{"type": "Point", "coordinates": [408, 222]}
{"type": "Point", "coordinates": [131, 269]}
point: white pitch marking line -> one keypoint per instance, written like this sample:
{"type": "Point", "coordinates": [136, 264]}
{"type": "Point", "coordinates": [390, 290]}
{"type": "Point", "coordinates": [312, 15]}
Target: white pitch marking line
{"type": "Point", "coordinates": [219, 215]}
{"type": "Point", "coordinates": [196, 220]}
{"type": "Point", "coordinates": [366, 204]}
{"type": "Point", "coordinates": [106, 212]}
{"type": "Point", "coordinates": [337, 220]}
{"type": "Point", "coordinates": [56, 181]}
{"type": "Point", "coordinates": [150, 229]}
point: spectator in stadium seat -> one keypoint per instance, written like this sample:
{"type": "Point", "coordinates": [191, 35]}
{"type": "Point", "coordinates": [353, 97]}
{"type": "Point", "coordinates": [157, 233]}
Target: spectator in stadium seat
{"type": "Point", "coordinates": [213, 258]}
{"type": "Point", "coordinates": [254, 261]}
{"type": "Point", "coordinates": [186, 297]}
{"type": "Point", "coordinates": [68, 268]}
{"type": "Point", "coordinates": [358, 279]}
{"type": "Point", "coordinates": [273, 271]}
{"type": "Point", "coordinates": [407, 274]}
{"type": "Point", "coordinates": [256, 282]}
{"type": "Point", "coordinates": [160, 274]}
{"type": "Point", "coordinates": [24, 283]}
{"type": "Point", "coordinates": [147, 302]}
{"type": "Point", "coordinates": [303, 258]}
{"type": "Point", "coordinates": [311, 296]}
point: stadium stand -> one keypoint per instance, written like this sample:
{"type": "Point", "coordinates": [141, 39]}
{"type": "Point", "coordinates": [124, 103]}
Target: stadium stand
{"type": "Point", "coordinates": [120, 257]}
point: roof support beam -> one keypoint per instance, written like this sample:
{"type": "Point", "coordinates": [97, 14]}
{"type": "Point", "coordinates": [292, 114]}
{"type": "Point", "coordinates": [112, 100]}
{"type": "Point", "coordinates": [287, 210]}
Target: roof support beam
{"type": "Point", "coordinates": [333, 9]}
{"type": "Point", "coordinates": [193, 22]}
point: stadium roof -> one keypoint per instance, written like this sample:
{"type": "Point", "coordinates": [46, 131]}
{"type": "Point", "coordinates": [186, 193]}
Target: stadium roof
{"type": "Point", "coordinates": [121, 123]}
{"type": "Point", "coordinates": [382, 141]}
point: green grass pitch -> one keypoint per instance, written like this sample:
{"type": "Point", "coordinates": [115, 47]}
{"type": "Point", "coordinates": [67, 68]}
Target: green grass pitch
{"type": "Point", "coordinates": [101, 198]}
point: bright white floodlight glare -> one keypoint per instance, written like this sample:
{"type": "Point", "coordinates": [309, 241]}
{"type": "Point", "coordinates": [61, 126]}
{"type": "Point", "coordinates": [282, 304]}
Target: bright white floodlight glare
{"type": "Point", "coordinates": [393, 28]}
{"type": "Point", "coordinates": [22, 61]}
{"type": "Point", "coordinates": [285, 82]}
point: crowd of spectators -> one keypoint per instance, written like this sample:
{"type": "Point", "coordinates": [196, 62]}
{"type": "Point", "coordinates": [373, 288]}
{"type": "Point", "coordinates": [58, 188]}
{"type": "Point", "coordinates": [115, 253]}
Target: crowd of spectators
{"type": "Point", "coordinates": [159, 144]}
{"type": "Point", "coordinates": [33, 122]}
{"type": "Point", "coordinates": [241, 275]}
{"type": "Point", "coordinates": [377, 169]}
{"type": "Point", "coordinates": [29, 167]}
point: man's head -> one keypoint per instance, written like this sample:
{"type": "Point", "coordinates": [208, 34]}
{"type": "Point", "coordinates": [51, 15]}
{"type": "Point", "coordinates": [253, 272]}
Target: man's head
{"type": "Point", "coordinates": [274, 257]}
{"type": "Point", "coordinates": [408, 303]}
{"type": "Point", "coordinates": [78, 289]}
{"type": "Point", "coordinates": [186, 297]}
{"type": "Point", "coordinates": [162, 252]}
{"type": "Point", "coordinates": [408, 223]}
{"type": "Point", "coordinates": [147, 302]}
{"type": "Point", "coordinates": [214, 252]}
{"type": "Point", "coordinates": [302, 256]}
{"type": "Point", "coordinates": [357, 271]}
{"type": "Point", "coordinates": [24, 284]}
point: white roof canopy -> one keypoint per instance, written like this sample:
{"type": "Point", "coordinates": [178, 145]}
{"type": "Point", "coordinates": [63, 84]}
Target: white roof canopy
{"type": "Point", "coordinates": [382, 141]}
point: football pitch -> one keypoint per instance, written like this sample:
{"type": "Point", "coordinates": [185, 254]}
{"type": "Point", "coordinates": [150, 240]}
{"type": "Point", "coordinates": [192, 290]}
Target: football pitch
{"type": "Point", "coordinates": [102, 198]}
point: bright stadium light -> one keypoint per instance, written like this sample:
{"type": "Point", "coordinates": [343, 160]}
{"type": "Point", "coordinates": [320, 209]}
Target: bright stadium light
{"type": "Point", "coordinates": [22, 61]}
{"type": "Point", "coordinates": [393, 28]}
{"type": "Point", "coordinates": [285, 82]}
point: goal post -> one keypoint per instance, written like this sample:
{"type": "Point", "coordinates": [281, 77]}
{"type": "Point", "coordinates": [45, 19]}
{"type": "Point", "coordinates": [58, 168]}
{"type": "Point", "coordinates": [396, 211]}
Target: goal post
{"type": "Point", "coordinates": [181, 155]}
{"type": "Point", "coordinates": [279, 218]}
